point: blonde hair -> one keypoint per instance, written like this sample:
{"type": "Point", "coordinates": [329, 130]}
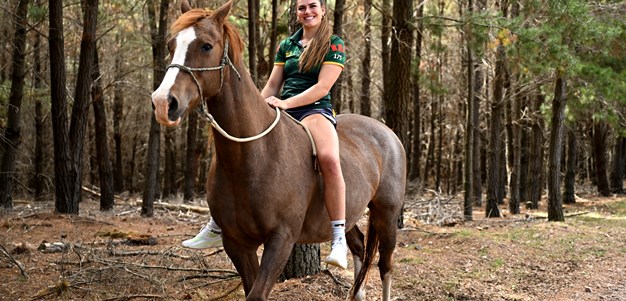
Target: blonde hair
{"type": "Point", "coordinates": [318, 47]}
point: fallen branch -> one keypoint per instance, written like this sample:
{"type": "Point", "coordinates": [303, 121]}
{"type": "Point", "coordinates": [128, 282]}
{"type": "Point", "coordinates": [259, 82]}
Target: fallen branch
{"type": "Point", "coordinates": [168, 268]}
{"type": "Point", "coordinates": [179, 207]}
{"type": "Point", "coordinates": [141, 252]}
{"type": "Point", "coordinates": [17, 263]}
{"type": "Point", "coordinates": [97, 194]}
{"type": "Point", "coordinates": [337, 281]}
{"type": "Point", "coordinates": [125, 298]}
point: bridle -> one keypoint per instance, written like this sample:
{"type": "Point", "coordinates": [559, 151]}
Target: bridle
{"type": "Point", "coordinates": [202, 109]}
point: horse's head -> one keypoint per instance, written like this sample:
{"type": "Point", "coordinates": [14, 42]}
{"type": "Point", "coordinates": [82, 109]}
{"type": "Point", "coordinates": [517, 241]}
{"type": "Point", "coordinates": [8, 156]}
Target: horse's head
{"type": "Point", "coordinates": [202, 44]}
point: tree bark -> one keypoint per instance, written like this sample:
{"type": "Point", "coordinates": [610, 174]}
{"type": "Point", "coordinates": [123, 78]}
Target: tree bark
{"type": "Point", "coordinates": [535, 169]}
{"type": "Point", "coordinates": [555, 204]}
{"type": "Point", "coordinates": [618, 166]}
{"type": "Point", "coordinates": [495, 137]}
{"type": "Point", "coordinates": [416, 143]}
{"type": "Point", "coordinates": [336, 95]}
{"type": "Point", "coordinates": [118, 115]}
{"type": "Point", "coordinates": [468, 183]}
{"type": "Point", "coordinates": [571, 164]}
{"type": "Point", "coordinates": [11, 138]}
{"type": "Point", "coordinates": [102, 142]}
{"type": "Point", "coordinates": [191, 161]}
{"type": "Point", "coordinates": [38, 179]}
{"type": "Point", "coordinates": [169, 172]}
{"type": "Point", "coordinates": [68, 156]}
{"type": "Point", "coordinates": [274, 36]}
{"type": "Point", "coordinates": [158, 61]}
{"type": "Point", "coordinates": [253, 16]}
{"type": "Point", "coordinates": [397, 93]}
{"type": "Point", "coordinates": [303, 261]}
{"type": "Point", "coordinates": [62, 157]}
{"type": "Point", "coordinates": [366, 105]}
{"type": "Point", "coordinates": [599, 148]}
{"type": "Point", "coordinates": [385, 40]}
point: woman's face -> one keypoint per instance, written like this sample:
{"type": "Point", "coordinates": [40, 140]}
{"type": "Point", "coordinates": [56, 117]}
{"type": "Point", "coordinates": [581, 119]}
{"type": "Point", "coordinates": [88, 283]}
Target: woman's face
{"type": "Point", "coordinates": [310, 13]}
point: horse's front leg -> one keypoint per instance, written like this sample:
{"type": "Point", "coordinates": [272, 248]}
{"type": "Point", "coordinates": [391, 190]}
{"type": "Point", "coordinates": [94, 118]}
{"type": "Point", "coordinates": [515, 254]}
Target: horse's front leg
{"type": "Point", "coordinates": [245, 260]}
{"type": "Point", "coordinates": [275, 255]}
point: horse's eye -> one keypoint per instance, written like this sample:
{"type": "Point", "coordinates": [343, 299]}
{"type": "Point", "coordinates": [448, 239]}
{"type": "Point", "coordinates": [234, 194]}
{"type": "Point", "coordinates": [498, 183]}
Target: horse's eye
{"type": "Point", "coordinates": [207, 47]}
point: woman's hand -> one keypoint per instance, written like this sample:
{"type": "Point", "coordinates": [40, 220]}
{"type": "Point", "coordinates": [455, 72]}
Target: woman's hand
{"type": "Point", "coordinates": [275, 102]}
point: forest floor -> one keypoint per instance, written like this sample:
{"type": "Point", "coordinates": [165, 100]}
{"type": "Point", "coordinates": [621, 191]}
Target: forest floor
{"type": "Point", "coordinates": [119, 255]}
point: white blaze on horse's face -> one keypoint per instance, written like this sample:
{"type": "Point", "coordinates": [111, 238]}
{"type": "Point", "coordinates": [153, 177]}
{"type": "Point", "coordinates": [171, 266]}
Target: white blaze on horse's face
{"type": "Point", "coordinates": [160, 96]}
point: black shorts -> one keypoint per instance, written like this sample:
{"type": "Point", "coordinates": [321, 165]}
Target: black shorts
{"type": "Point", "coordinates": [300, 114]}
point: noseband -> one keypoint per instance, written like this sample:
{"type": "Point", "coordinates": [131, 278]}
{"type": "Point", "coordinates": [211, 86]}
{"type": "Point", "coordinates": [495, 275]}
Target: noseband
{"type": "Point", "coordinates": [202, 109]}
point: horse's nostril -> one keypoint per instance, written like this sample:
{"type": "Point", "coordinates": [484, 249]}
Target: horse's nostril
{"type": "Point", "coordinates": [173, 106]}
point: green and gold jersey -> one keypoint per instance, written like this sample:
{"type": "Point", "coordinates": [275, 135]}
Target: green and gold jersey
{"type": "Point", "coordinates": [296, 82]}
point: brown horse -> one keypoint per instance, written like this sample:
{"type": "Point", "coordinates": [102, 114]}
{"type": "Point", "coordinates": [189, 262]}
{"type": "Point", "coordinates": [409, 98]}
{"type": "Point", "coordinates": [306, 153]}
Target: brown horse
{"type": "Point", "coordinates": [264, 189]}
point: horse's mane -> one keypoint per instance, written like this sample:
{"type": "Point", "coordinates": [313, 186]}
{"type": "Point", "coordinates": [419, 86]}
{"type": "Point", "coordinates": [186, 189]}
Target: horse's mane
{"type": "Point", "coordinates": [196, 15]}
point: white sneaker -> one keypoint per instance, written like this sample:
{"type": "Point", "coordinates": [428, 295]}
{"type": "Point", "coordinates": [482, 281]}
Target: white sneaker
{"type": "Point", "coordinates": [204, 240]}
{"type": "Point", "coordinates": [338, 254]}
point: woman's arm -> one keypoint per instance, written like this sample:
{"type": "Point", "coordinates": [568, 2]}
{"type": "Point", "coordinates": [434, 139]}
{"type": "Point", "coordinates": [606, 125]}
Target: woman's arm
{"type": "Point", "coordinates": [274, 83]}
{"type": "Point", "coordinates": [325, 81]}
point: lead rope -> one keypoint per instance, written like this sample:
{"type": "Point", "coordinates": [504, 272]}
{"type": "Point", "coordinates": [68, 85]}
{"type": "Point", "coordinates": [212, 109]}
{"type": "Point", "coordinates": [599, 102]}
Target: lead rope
{"type": "Point", "coordinates": [316, 163]}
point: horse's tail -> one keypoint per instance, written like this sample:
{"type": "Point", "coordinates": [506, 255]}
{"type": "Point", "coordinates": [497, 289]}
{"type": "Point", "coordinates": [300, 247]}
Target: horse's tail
{"type": "Point", "coordinates": [371, 245]}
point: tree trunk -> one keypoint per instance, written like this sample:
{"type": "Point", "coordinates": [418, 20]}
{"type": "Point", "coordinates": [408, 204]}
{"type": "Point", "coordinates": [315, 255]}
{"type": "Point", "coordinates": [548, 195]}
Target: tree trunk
{"type": "Point", "coordinates": [169, 172]}
{"type": "Point", "coordinates": [38, 179]}
{"type": "Point", "coordinates": [600, 132]}
{"type": "Point", "coordinates": [516, 141]}
{"type": "Point", "coordinates": [118, 115]}
{"type": "Point", "coordinates": [618, 166]}
{"type": "Point", "coordinates": [68, 156]}
{"type": "Point", "coordinates": [253, 16]}
{"type": "Point", "coordinates": [102, 141]}
{"type": "Point", "coordinates": [303, 261]}
{"type": "Point", "coordinates": [478, 82]}
{"type": "Point", "coordinates": [11, 138]}
{"type": "Point", "coordinates": [468, 183]}
{"type": "Point", "coordinates": [385, 40]}
{"type": "Point", "coordinates": [336, 95]}
{"type": "Point", "coordinates": [397, 93]}
{"type": "Point", "coordinates": [62, 157]}
{"type": "Point", "coordinates": [524, 162]}
{"type": "Point", "coordinates": [273, 35]}
{"type": "Point", "coordinates": [555, 204]}
{"type": "Point", "coordinates": [571, 164]}
{"type": "Point", "coordinates": [535, 169]}
{"type": "Point", "coordinates": [158, 62]}
{"type": "Point", "coordinates": [495, 138]}
{"type": "Point", "coordinates": [191, 160]}
{"type": "Point", "coordinates": [366, 102]}
{"type": "Point", "coordinates": [416, 143]}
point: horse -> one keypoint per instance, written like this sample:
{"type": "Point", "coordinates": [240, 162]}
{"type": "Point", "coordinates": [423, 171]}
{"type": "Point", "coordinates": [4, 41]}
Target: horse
{"type": "Point", "coordinates": [262, 187]}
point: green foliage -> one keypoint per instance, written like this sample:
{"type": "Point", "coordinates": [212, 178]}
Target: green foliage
{"type": "Point", "coordinates": [577, 38]}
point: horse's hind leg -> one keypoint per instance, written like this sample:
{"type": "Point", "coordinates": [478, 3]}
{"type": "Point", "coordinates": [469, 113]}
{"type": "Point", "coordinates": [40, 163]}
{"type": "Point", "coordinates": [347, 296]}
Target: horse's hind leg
{"type": "Point", "coordinates": [385, 223]}
{"type": "Point", "coordinates": [356, 243]}
{"type": "Point", "coordinates": [384, 211]}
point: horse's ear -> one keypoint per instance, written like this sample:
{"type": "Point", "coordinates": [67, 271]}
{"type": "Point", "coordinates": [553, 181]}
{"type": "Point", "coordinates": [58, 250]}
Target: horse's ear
{"type": "Point", "coordinates": [222, 12]}
{"type": "Point", "coordinates": [184, 6]}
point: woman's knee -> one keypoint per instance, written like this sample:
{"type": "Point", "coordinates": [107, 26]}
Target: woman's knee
{"type": "Point", "coordinates": [329, 163]}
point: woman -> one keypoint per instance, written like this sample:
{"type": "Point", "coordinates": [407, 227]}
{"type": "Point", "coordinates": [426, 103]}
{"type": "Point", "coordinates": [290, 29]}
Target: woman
{"type": "Point", "coordinates": [306, 66]}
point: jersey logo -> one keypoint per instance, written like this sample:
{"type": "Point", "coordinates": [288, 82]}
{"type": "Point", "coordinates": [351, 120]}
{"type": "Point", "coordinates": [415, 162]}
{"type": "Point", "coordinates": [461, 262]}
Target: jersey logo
{"type": "Point", "coordinates": [338, 47]}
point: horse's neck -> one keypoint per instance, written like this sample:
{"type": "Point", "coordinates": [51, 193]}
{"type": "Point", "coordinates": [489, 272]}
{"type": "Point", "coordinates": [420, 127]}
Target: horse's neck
{"type": "Point", "coordinates": [242, 112]}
